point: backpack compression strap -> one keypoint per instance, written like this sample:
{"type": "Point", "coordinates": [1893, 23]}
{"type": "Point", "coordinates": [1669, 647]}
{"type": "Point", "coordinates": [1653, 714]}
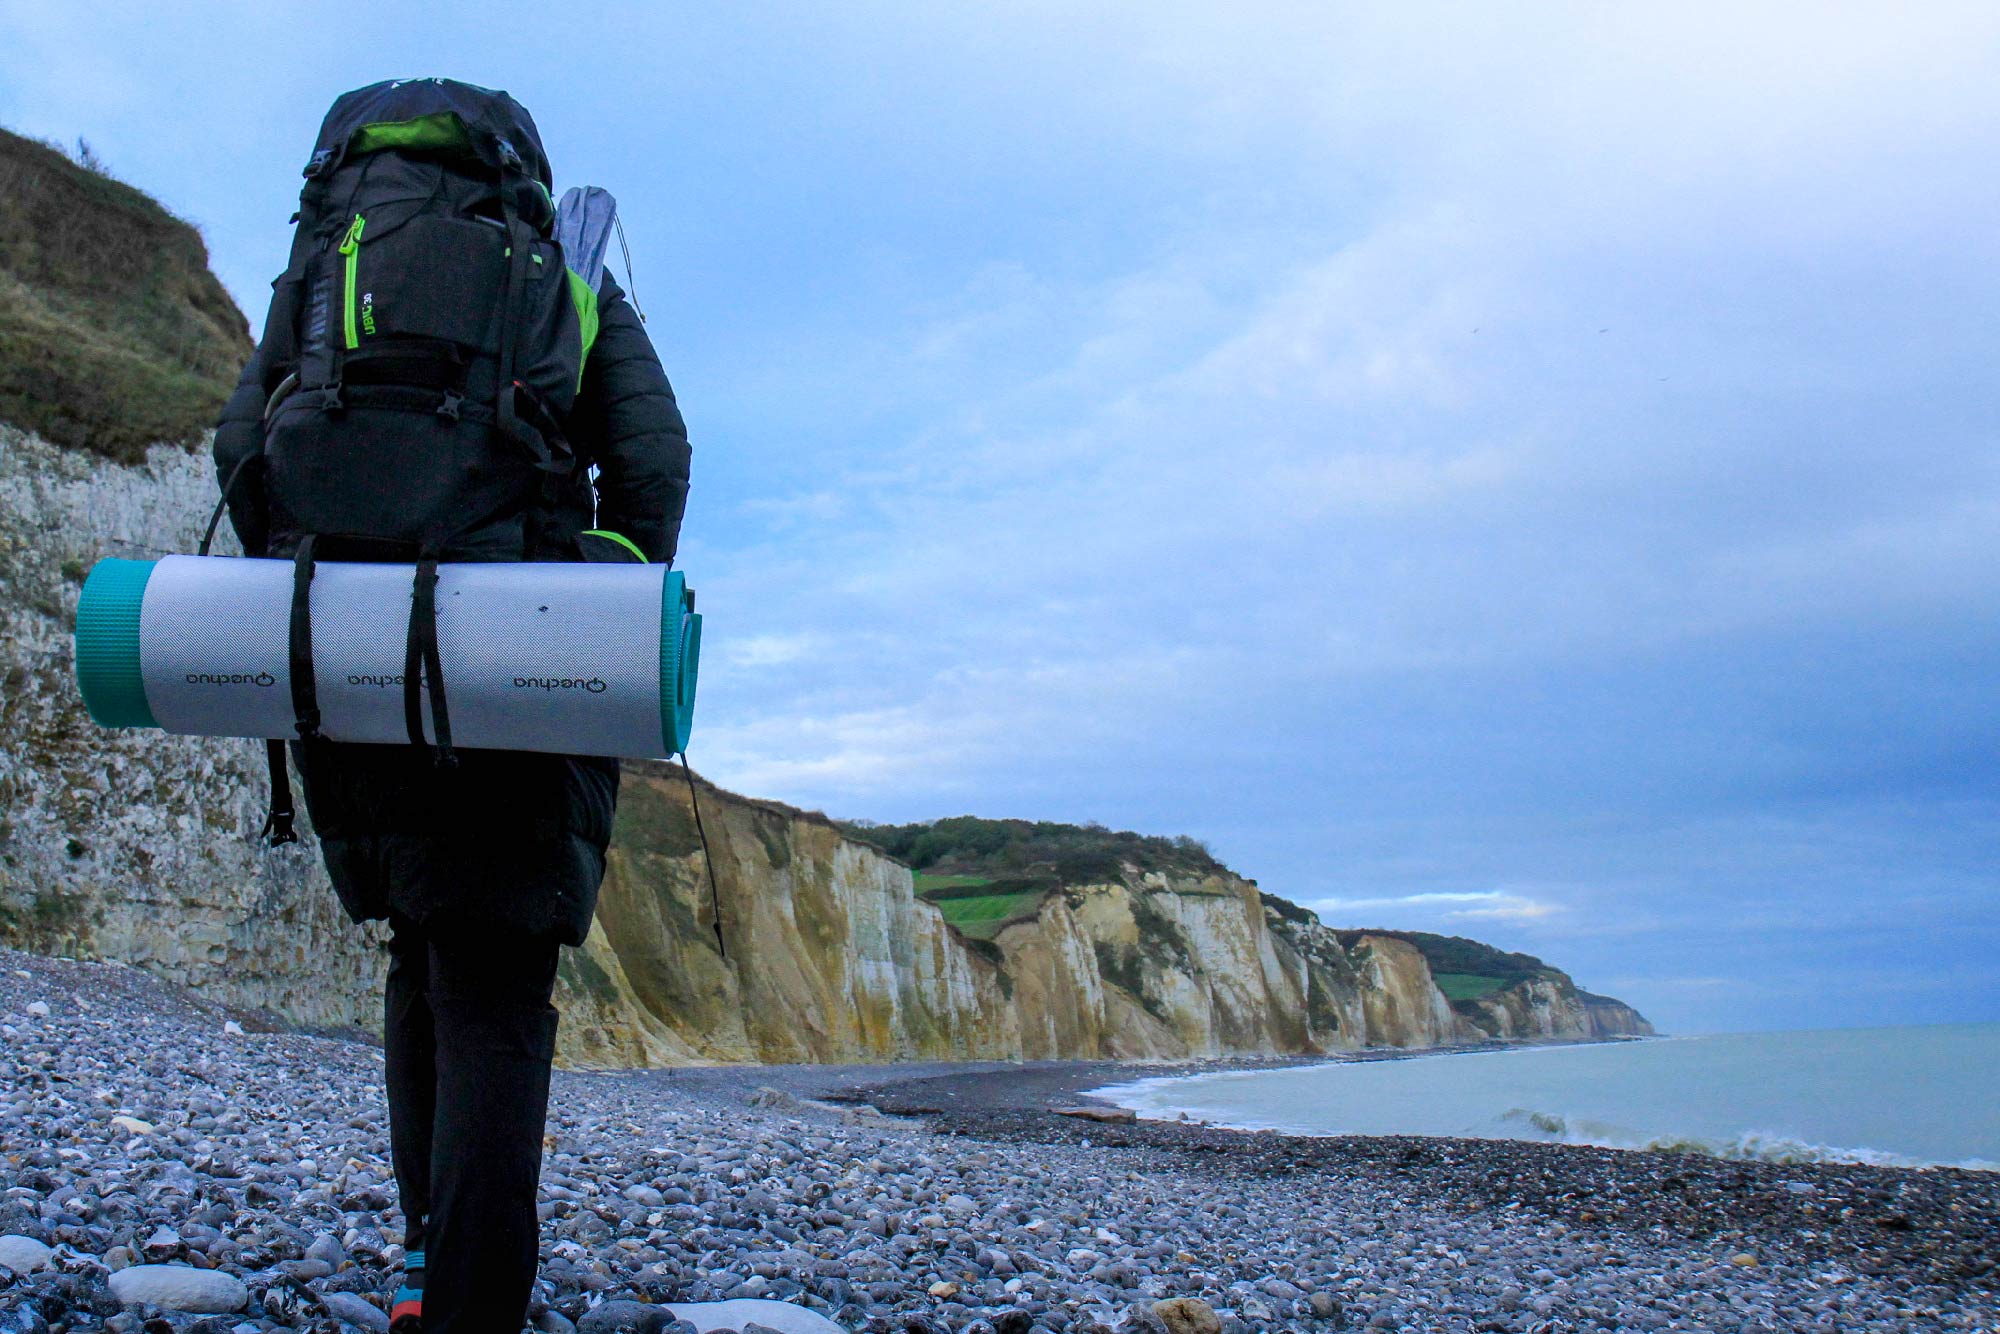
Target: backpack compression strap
{"type": "Point", "coordinates": [305, 692]}
{"type": "Point", "coordinates": [423, 665]}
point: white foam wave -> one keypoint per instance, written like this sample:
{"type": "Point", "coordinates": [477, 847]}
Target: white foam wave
{"type": "Point", "coordinates": [1759, 1146]}
{"type": "Point", "coordinates": [1152, 1100]}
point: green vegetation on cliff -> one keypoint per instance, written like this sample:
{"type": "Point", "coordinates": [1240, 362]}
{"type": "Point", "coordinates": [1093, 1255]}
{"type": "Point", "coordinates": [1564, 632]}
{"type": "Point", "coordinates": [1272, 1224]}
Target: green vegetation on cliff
{"type": "Point", "coordinates": [114, 335]}
{"type": "Point", "coordinates": [966, 847]}
{"type": "Point", "coordinates": [1456, 955]}
{"type": "Point", "coordinates": [1466, 986]}
{"type": "Point", "coordinates": [981, 910]}
{"type": "Point", "coordinates": [1467, 970]}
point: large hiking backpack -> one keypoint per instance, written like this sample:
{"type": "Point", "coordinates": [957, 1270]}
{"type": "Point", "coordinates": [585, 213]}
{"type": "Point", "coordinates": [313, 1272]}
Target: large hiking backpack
{"type": "Point", "coordinates": [427, 339]}
{"type": "Point", "coordinates": [424, 348]}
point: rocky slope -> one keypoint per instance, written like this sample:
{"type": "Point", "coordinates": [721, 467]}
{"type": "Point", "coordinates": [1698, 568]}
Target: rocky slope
{"type": "Point", "coordinates": [114, 334]}
{"type": "Point", "coordinates": [139, 846]}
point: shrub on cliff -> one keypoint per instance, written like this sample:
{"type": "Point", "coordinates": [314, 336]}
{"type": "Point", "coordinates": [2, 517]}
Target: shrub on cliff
{"type": "Point", "coordinates": [1073, 854]}
{"type": "Point", "coordinates": [1459, 955]}
{"type": "Point", "coordinates": [114, 335]}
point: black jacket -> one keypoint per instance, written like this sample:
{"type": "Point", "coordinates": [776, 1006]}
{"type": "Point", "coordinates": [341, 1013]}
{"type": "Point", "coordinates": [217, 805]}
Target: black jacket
{"type": "Point", "coordinates": [506, 841]}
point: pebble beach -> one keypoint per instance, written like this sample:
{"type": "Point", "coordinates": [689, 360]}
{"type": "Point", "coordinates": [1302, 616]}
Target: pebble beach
{"type": "Point", "coordinates": [165, 1167]}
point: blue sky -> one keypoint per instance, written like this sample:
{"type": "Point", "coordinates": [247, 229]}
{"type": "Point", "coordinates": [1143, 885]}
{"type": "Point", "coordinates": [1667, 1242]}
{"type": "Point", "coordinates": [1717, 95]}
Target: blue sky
{"type": "Point", "coordinates": [1525, 472]}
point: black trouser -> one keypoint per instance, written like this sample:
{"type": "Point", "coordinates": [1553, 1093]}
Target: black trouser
{"type": "Point", "coordinates": [470, 1033]}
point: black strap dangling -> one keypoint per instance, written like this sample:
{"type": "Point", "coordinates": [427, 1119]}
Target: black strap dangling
{"type": "Point", "coordinates": [305, 689]}
{"type": "Point", "coordinates": [278, 823]}
{"type": "Point", "coordinates": [714, 888]}
{"type": "Point", "coordinates": [423, 666]}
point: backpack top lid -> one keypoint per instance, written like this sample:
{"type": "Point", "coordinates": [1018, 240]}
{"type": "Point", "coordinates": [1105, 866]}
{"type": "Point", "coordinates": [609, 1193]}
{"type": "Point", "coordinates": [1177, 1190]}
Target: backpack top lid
{"type": "Point", "coordinates": [430, 115]}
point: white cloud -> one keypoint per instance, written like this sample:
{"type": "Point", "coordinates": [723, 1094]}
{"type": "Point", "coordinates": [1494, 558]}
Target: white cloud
{"type": "Point", "coordinates": [1414, 910]}
{"type": "Point", "coordinates": [770, 650]}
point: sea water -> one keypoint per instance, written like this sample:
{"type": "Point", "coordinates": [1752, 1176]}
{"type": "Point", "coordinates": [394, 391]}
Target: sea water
{"type": "Point", "coordinates": [1925, 1096]}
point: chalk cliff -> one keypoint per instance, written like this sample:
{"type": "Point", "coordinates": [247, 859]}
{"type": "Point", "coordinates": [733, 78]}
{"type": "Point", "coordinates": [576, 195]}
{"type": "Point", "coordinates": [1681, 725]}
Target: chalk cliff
{"type": "Point", "coordinates": [140, 846]}
{"type": "Point", "coordinates": [832, 955]}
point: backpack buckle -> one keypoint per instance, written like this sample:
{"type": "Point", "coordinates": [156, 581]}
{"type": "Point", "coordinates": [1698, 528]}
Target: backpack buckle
{"type": "Point", "coordinates": [448, 409]}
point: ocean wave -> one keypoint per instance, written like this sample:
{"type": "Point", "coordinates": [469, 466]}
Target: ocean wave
{"type": "Point", "coordinates": [1152, 1100]}
{"type": "Point", "coordinates": [1747, 1146]}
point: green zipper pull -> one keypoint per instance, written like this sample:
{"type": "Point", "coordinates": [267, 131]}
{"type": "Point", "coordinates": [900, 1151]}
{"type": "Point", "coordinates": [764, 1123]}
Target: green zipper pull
{"type": "Point", "coordinates": [350, 246]}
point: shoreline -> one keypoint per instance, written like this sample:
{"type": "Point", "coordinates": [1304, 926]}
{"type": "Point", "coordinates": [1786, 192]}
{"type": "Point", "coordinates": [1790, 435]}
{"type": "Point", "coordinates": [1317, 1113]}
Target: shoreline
{"type": "Point", "coordinates": [1807, 1213]}
{"type": "Point", "coordinates": [1861, 1218]}
{"type": "Point", "coordinates": [1133, 1094]}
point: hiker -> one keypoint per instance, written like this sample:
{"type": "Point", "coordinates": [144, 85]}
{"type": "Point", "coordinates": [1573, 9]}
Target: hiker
{"type": "Point", "coordinates": [434, 384]}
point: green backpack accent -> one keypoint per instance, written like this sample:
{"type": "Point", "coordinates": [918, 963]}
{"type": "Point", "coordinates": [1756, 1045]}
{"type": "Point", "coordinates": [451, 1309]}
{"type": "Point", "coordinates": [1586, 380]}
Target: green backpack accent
{"type": "Point", "coordinates": [441, 131]}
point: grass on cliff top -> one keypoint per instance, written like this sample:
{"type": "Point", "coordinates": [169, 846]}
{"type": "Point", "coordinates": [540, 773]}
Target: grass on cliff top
{"type": "Point", "coordinates": [927, 883]}
{"type": "Point", "coordinates": [1467, 986]}
{"type": "Point", "coordinates": [982, 916]}
{"type": "Point", "coordinates": [967, 845]}
{"type": "Point", "coordinates": [114, 334]}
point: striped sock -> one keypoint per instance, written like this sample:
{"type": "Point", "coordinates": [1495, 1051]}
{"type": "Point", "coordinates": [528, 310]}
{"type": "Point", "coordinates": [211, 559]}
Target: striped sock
{"type": "Point", "coordinates": [406, 1312]}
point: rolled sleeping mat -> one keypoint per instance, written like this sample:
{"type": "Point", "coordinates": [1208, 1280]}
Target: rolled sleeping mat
{"type": "Point", "coordinates": [583, 659]}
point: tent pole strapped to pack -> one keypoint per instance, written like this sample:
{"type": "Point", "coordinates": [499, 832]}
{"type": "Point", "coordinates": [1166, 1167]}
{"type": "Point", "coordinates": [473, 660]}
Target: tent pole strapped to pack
{"type": "Point", "coordinates": [568, 658]}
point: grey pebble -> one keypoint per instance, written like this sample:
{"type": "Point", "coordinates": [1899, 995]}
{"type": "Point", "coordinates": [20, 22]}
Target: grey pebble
{"type": "Point", "coordinates": [623, 1317]}
{"type": "Point", "coordinates": [354, 1310]}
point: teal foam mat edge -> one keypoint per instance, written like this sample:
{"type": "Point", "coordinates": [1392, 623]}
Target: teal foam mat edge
{"type": "Point", "coordinates": [680, 661]}
{"type": "Point", "coordinates": [107, 643]}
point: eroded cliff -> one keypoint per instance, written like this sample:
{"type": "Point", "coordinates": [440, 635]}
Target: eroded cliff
{"type": "Point", "coordinates": [137, 845]}
{"type": "Point", "coordinates": [830, 955]}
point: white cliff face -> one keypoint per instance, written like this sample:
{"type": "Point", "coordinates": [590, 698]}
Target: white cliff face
{"type": "Point", "coordinates": [1554, 1007]}
{"type": "Point", "coordinates": [1401, 1004]}
{"type": "Point", "coordinates": [1060, 999]}
{"type": "Point", "coordinates": [831, 956]}
{"type": "Point", "coordinates": [136, 845]}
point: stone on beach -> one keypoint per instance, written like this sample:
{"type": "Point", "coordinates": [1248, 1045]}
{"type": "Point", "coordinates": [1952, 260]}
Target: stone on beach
{"type": "Point", "coordinates": [1120, 1116]}
{"type": "Point", "coordinates": [180, 1288]}
{"type": "Point", "coordinates": [1188, 1315]}
{"type": "Point", "coordinates": [735, 1314]}
{"type": "Point", "coordinates": [619, 1316]}
{"type": "Point", "coordinates": [357, 1311]}
{"type": "Point", "coordinates": [23, 1255]}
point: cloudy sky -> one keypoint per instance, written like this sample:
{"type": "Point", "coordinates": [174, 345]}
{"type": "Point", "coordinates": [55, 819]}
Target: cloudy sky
{"type": "Point", "coordinates": [1519, 471]}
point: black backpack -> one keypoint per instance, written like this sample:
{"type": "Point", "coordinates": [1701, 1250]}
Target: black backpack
{"type": "Point", "coordinates": [427, 340]}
